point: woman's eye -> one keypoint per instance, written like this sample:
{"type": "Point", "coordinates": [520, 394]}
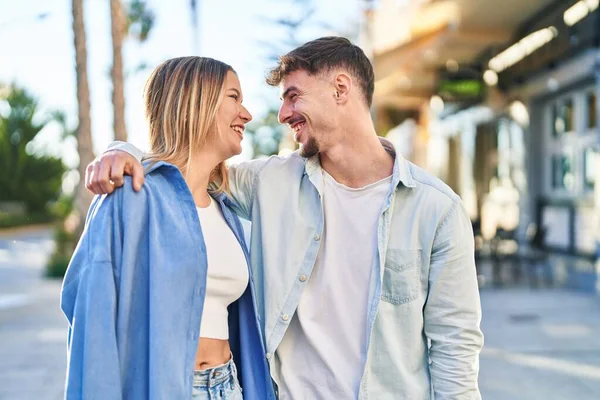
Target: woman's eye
{"type": "Point", "coordinates": [234, 96]}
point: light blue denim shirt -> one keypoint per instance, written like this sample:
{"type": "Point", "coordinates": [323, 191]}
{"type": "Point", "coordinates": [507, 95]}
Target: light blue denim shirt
{"type": "Point", "coordinates": [134, 293]}
{"type": "Point", "coordinates": [424, 313]}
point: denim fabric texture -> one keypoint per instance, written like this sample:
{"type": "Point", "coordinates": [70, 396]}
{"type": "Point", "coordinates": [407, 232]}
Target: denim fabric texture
{"type": "Point", "coordinates": [217, 383]}
{"type": "Point", "coordinates": [133, 296]}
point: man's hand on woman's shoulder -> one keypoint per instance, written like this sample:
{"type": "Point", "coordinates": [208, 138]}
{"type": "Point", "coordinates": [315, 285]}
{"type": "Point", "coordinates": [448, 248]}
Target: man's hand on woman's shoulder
{"type": "Point", "coordinates": [105, 173]}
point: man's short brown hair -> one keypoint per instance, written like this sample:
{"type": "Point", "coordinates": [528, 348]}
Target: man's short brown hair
{"type": "Point", "coordinates": [323, 55]}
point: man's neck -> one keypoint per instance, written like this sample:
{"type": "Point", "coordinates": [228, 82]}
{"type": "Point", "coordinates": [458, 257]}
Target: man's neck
{"type": "Point", "coordinates": [359, 162]}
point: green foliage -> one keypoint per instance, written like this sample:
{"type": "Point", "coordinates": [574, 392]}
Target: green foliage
{"type": "Point", "coordinates": [33, 180]}
{"type": "Point", "coordinates": [10, 220]}
{"type": "Point", "coordinates": [57, 265]}
{"type": "Point", "coordinates": [64, 240]}
{"type": "Point", "coordinates": [300, 16]}
{"type": "Point", "coordinates": [60, 117]}
{"type": "Point", "coordinates": [62, 208]}
{"type": "Point", "coordinates": [296, 26]}
{"type": "Point", "coordinates": [266, 134]}
{"type": "Point", "coordinates": [140, 19]}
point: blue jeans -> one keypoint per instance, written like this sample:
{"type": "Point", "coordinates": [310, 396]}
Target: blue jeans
{"type": "Point", "coordinates": [217, 383]}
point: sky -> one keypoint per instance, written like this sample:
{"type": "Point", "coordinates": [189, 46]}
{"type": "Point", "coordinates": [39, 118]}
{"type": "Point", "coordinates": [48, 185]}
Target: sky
{"type": "Point", "coordinates": [38, 54]}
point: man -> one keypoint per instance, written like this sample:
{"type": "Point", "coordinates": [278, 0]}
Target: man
{"type": "Point", "coordinates": [363, 262]}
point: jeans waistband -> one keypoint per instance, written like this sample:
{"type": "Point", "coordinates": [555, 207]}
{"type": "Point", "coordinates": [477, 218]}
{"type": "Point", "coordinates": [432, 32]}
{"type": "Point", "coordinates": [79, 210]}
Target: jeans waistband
{"type": "Point", "coordinates": [216, 375]}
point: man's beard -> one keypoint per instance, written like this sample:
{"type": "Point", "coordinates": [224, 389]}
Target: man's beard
{"type": "Point", "coordinates": [309, 149]}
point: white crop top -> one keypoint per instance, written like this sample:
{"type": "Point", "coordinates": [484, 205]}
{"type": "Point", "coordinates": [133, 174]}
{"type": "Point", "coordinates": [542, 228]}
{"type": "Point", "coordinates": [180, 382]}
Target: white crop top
{"type": "Point", "coordinates": [227, 277]}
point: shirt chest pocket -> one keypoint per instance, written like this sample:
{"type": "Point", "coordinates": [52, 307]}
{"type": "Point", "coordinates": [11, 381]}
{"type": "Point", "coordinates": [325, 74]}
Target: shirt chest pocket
{"type": "Point", "coordinates": [401, 276]}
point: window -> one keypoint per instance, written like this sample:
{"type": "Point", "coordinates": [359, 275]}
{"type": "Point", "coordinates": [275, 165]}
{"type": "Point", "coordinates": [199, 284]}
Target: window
{"type": "Point", "coordinates": [592, 110]}
{"type": "Point", "coordinates": [563, 117]}
{"type": "Point", "coordinates": [590, 164]}
{"type": "Point", "coordinates": [562, 171]}
{"type": "Point", "coordinates": [571, 135]}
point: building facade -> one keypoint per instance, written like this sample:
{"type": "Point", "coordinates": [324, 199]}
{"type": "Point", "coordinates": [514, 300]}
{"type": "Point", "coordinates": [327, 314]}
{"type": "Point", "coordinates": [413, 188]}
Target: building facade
{"type": "Point", "coordinates": [513, 125]}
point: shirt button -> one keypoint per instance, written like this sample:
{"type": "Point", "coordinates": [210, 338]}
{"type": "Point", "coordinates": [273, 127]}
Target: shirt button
{"type": "Point", "coordinates": [317, 237]}
{"type": "Point", "coordinates": [268, 356]}
{"type": "Point", "coordinates": [302, 278]}
{"type": "Point", "coordinates": [285, 317]}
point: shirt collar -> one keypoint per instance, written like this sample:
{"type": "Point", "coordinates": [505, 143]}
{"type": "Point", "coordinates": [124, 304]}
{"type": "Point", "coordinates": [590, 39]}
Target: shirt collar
{"type": "Point", "coordinates": [401, 173]}
{"type": "Point", "coordinates": [150, 166]}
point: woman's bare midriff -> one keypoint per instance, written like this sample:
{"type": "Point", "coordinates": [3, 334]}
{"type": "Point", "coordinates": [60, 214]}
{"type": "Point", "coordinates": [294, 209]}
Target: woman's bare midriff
{"type": "Point", "coordinates": [212, 352]}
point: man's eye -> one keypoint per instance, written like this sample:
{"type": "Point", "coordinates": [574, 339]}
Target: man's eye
{"type": "Point", "coordinates": [293, 96]}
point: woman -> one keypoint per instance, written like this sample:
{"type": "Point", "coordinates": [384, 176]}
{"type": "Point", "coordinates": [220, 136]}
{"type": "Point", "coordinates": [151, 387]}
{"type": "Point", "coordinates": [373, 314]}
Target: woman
{"type": "Point", "coordinates": [159, 294]}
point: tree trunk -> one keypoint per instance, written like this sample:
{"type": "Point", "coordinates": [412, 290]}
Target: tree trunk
{"type": "Point", "coordinates": [118, 27]}
{"type": "Point", "coordinates": [84, 130]}
{"type": "Point", "coordinates": [195, 29]}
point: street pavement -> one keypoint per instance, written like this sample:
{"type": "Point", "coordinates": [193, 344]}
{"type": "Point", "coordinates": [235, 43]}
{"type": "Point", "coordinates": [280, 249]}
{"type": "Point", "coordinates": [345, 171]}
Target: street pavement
{"type": "Point", "coordinates": [539, 343]}
{"type": "Point", "coordinates": [32, 327]}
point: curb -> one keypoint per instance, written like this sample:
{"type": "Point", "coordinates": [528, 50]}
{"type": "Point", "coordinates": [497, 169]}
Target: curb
{"type": "Point", "coordinates": [6, 232]}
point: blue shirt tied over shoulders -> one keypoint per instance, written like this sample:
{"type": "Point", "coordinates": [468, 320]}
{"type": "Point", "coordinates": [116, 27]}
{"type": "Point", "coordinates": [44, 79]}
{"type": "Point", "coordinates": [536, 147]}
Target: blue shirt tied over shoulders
{"type": "Point", "coordinates": [134, 293]}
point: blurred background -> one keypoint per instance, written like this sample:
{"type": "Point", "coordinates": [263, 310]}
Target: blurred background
{"type": "Point", "coordinates": [498, 99]}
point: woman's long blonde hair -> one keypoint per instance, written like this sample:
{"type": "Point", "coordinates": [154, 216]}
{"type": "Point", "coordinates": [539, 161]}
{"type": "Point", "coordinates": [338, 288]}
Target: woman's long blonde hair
{"type": "Point", "coordinates": [182, 98]}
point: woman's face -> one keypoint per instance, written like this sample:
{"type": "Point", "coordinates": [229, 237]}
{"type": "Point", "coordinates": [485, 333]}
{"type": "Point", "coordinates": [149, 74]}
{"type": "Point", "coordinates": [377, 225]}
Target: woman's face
{"type": "Point", "coordinates": [231, 118]}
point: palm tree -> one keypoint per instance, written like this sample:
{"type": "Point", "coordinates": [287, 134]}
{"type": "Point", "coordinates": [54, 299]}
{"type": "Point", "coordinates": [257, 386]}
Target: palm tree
{"type": "Point", "coordinates": [195, 30]}
{"type": "Point", "coordinates": [137, 21]}
{"type": "Point", "coordinates": [83, 198]}
{"type": "Point", "coordinates": [118, 28]}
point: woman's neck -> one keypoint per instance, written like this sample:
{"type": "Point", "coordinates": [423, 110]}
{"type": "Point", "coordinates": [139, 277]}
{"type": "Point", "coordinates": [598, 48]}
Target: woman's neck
{"type": "Point", "coordinates": [197, 178]}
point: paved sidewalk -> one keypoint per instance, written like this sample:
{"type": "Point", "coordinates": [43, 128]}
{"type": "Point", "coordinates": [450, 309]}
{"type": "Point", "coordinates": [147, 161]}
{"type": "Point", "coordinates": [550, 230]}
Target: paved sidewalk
{"type": "Point", "coordinates": [32, 346]}
{"type": "Point", "coordinates": [32, 327]}
{"type": "Point", "coordinates": [540, 345]}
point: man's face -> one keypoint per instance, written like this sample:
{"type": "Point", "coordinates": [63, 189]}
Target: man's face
{"type": "Point", "coordinates": [307, 103]}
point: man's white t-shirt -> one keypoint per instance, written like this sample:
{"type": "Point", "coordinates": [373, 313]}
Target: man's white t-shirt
{"type": "Point", "coordinates": [323, 352]}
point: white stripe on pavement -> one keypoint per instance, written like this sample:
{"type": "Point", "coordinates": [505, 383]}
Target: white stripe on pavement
{"type": "Point", "coordinates": [14, 300]}
{"type": "Point", "coordinates": [564, 367]}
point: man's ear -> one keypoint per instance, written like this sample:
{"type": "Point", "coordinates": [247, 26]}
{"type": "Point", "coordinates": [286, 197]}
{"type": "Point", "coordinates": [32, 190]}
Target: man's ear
{"type": "Point", "coordinates": [342, 87]}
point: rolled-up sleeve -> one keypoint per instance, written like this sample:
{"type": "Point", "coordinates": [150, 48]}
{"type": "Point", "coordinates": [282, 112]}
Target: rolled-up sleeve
{"type": "Point", "coordinates": [453, 311]}
{"type": "Point", "coordinates": [127, 148]}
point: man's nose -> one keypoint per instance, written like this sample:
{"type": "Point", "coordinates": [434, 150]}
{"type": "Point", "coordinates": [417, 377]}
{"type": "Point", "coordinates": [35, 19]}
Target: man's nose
{"type": "Point", "coordinates": [285, 113]}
